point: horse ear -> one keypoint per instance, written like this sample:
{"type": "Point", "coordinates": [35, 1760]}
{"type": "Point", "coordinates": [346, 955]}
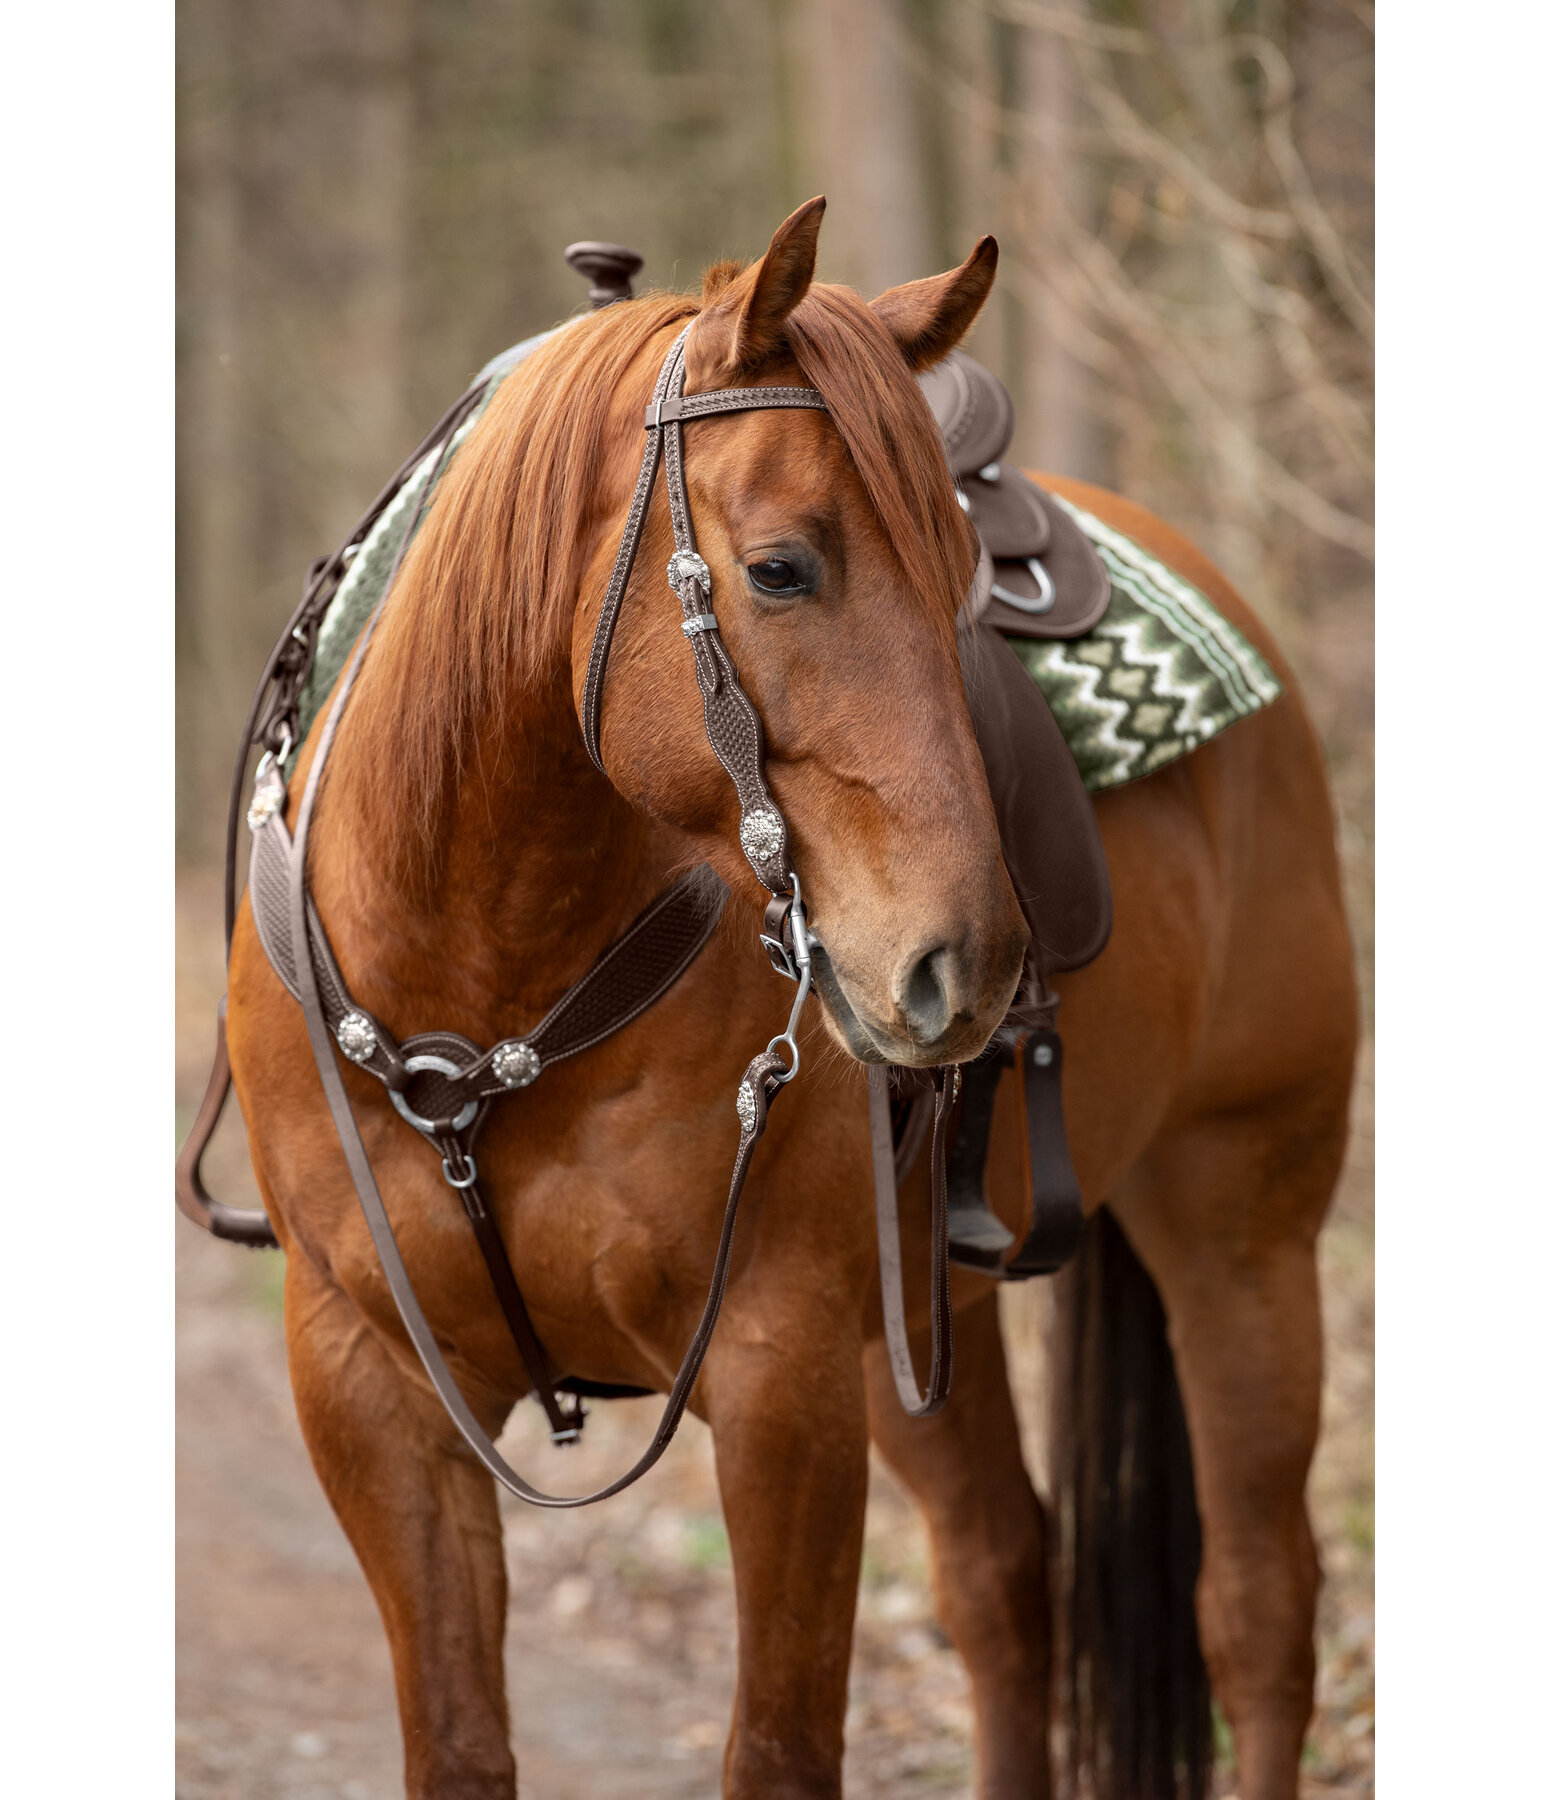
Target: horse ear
{"type": "Point", "coordinates": [746, 324]}
{"type": "Point", "coordinates": [927, 318]}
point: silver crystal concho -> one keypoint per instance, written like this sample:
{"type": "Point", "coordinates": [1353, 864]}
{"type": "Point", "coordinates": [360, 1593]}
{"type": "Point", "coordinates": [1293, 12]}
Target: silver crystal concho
{"type": "Point", "coordinates": [760, 834]}
{"type": "Point", "coordinates": [268, 797]}
{"type": "Point", "coordinates": [684, 565]}
{"type": "Point", "coordinates": [747, 1106]}
{"type": "Point", "coordinates": [357, 1036]}
{"type": "Point", "coordinates": [515, 1065]}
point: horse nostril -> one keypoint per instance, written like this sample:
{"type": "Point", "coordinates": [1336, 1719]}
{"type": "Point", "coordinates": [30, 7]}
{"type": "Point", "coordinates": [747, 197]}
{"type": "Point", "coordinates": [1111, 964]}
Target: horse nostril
{"type": "Point", "coordinates": [922, 996]}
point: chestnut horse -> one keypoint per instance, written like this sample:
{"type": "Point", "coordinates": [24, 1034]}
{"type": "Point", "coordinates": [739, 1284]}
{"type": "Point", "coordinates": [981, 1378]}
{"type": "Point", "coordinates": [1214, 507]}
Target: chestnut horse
{"type": "Point", "coordinates": [469, 862]}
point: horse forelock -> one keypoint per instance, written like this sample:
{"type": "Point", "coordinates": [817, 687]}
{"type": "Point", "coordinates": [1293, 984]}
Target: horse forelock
{"type": "Point", "coordinates": [483, 609]}
{"type": "Point", "coordinates": [845, 351]}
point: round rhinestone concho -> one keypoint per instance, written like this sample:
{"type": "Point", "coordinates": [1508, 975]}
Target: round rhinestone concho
{"type": "Point", "coordinates": [268, 799]}
{"type": "Point", "coordinates": [760, 834]}
{"type": "Point", "coordinates": [684, 566]}
{"type": "Point", "coordinates": [357, 1036]}
{"type": "Point", "coordinates": [515, 1065]}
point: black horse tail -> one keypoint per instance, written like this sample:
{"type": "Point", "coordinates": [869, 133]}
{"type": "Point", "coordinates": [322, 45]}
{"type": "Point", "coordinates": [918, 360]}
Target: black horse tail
{"type": "Point", "coordinates": [1133, 1687]}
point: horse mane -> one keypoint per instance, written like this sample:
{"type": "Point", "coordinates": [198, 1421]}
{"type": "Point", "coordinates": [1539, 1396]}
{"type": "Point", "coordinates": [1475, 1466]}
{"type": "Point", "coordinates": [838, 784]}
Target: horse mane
{"type": "Point", "coordinates": [483, 607]}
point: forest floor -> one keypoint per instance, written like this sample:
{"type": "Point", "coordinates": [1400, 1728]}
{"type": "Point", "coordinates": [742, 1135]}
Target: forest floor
{"type": "Point", "coordinates": [621, 1643]}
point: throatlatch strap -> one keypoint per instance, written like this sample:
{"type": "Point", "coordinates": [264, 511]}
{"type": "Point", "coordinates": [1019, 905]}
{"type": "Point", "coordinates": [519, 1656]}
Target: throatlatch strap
{"type": "Point", "coordinates": [624, 562]}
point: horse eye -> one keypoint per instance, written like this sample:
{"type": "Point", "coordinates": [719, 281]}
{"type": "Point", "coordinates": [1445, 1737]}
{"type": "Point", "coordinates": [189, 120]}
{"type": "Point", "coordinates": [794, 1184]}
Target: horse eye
{"type": "Point", "coordinates": [775, 576]}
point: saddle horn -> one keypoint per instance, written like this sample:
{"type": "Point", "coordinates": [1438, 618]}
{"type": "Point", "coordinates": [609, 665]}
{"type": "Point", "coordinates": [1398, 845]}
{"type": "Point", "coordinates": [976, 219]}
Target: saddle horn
{"type": "Point", "coordinates": [608, 267]}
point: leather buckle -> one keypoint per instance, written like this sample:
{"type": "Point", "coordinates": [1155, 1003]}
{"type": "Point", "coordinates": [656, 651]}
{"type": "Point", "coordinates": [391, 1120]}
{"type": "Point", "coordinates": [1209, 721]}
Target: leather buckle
{"type": "Point", "coordinates": [776, 937]}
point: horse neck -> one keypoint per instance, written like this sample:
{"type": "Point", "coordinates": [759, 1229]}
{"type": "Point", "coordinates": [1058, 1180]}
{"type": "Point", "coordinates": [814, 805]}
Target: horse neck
{"type": "Point", "coordinates": [536, 864]}
{"type": "Point", "coordinates": [527, 862]}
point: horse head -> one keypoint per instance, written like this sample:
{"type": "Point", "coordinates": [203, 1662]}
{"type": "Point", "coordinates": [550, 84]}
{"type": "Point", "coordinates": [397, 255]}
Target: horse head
{"type": "Point", "coordinates": [838, 560]}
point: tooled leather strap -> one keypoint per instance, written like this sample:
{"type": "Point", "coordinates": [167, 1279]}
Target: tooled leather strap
{"type": "Point", "coordinates": [732, 722]}
{"type": "Point", "coordinates": [270, 719]}
{"type": "Point", "coordinates": [274, 699]}
{"type": "Point", "coordinates": [628, 978]}
{"type": "Point", "coordinates": [890, 1260]}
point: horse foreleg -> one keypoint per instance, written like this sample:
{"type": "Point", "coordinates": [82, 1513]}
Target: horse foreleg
{"type": "Point", "coordinates": [785, 1404]}
{"type": "Point", "coordinates": [965, 1469]}
{"type": "Point", "coordinates": [1225, 1214]}
{"type": "Point", "coordinates": [421, 1517]}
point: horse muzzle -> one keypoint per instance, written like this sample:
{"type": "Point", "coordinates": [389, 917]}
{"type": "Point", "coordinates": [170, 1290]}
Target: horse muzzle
{"type": "Point", "coordinates": [939, 1003]}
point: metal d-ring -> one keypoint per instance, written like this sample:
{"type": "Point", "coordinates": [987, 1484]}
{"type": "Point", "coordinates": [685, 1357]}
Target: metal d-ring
{"type": "Point", "coordinates": [442, 1066]}
{"type": "Point", "coordinates": [469, 1179]}
{"type": "Point", "coordinates": [273, 759]}
{"type": "Point", "coordinates": [1041, 602]}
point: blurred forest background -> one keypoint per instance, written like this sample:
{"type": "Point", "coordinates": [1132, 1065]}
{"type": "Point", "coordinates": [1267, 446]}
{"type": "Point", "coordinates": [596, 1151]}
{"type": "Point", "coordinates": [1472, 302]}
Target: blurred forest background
{"type": "Point", "coordinates": [375, 194]}
{"type": "Point", "coordinates": [373, 200]}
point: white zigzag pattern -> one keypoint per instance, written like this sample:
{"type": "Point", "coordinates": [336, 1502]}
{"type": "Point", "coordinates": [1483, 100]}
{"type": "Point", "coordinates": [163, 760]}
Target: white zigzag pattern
{"type": "Point", "coordinates": [1168, 681]}
{"type": "Point", "coordinates": [1085, 678]}
{"type": "Point", "coordinates": [1205, 639]}
{"type": "Point", "coordinates": [1152, 584]}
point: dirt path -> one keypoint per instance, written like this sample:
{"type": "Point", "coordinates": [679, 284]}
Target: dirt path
{"type": "Point", "coordinates": [621, 1643]}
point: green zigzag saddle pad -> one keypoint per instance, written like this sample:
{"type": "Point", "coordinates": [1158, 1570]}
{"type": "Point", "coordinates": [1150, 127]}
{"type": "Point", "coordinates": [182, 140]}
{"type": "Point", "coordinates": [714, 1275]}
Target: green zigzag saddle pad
{"type": "Point", "coordinates": [1160, 674]}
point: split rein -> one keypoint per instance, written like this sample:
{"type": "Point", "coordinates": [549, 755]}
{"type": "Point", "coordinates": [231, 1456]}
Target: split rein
{"type": "Point", "coordinates": [453, 1081]}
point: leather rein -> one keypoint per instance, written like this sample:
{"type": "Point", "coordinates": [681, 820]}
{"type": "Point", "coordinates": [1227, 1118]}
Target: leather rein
{"type": "Point", "coordinates": [452, 1082]}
